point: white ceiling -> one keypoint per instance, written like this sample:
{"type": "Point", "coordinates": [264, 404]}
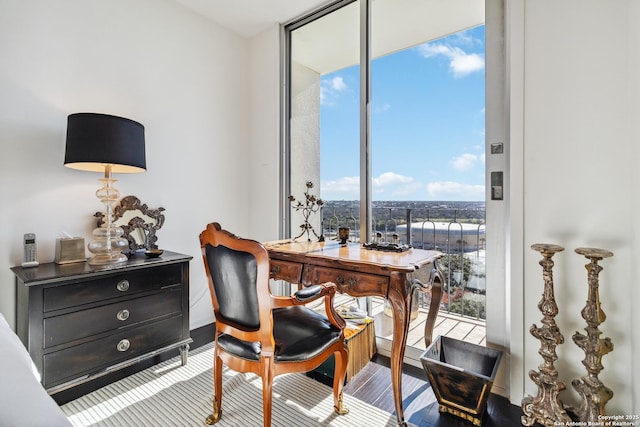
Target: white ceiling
{"type": "Point", "coordinates": [248, 18]}
{"type": "Point", "coordinates": [332, 42]}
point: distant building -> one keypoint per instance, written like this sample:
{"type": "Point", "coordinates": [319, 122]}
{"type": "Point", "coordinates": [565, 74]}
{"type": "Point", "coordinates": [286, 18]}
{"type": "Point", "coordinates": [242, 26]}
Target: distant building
{"type": "Point", "coordinates": [450, 237]}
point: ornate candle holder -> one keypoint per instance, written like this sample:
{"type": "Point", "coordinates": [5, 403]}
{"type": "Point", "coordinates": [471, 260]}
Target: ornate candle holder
{"type": "Point", "coordinates": [546, 408]}
{"type": "Point", "coordinates": [595, 395]}
{"type": "Point", "coordinates": [312, 204]}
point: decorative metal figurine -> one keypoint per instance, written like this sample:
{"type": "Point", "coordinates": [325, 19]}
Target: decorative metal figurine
{"type": "Point", "coordinates": [311, 205]}
{"type": "Point", "coordinates": [546, 408]}
{"type": "Point", "coordinates": [595, 395]}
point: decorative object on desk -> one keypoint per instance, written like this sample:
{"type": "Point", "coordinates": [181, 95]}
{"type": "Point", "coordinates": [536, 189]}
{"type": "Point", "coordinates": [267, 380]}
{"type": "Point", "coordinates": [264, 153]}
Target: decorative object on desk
{"type": "Point", "coordinates": [139, 222]}
{"type": "Point", "coordinates": [461, 375]}
{"type": "Point", "coordinates": [595, 395]}
{"type": "Point", "coordinates": [153, 253]}
{"type": "Point", "coordinates": [69, 250]}
{"type": "Point", "coordinates": [109, 144]}
{"type": "Point", "coordinates": [546, 408]}
{"type": "Point", "coordinates": [312, 204]}
{"type": "Point", "coordinates": [343, 235]}
{"type": "Point", "coordinates": [387, 247]}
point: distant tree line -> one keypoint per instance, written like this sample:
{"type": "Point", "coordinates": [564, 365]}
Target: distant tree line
{"type": "Point", "coordinates": [387, 215]}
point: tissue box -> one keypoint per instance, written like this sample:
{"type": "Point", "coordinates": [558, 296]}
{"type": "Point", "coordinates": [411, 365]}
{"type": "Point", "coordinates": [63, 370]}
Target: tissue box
{"type": "Point", "coordinates": [70, 250]}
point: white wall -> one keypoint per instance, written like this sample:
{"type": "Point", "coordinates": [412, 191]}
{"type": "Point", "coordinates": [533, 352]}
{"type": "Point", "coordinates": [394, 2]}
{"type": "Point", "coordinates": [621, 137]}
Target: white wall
{"type": "Point", "coordinates": [634, 112]}
{"type": "Point", "coordinates": [264, 135]}
{"type": "Point", "coordinates": [580, 156]}
{"type": "Point", "coordinates": [153, 61]}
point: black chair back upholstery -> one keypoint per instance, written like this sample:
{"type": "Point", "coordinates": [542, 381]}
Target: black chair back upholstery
{"type": "Point", "coordinates": [234, 281]}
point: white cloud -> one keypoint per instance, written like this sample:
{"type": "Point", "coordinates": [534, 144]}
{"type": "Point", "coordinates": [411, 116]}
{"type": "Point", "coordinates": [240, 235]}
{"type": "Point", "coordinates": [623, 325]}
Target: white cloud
{"type": "Point", "coordinates": [464, 162]}
{"type": "Point", "coordinates": [338, 84]}
{"type": "Point", "coordinates": [464, 38]}
{"type": "Point", "coordinates": [391, 184]}
{"type": "Point", "coordinates": [330, 90]}
{"type": "Point", "coordinates": [391, 178]}
{"type": "Point", "coordinates": [394, 186]}
{"type": "Point", "coordinates": [463, 64]}
{"type": "Point", "coordinates": [448, 190]}
{"type": "Point", "coordinates": [460, 63]}
{"type": "Point", "coordinates": [347, 186]}
{"type": "Point", "coordinates": [382, 108]}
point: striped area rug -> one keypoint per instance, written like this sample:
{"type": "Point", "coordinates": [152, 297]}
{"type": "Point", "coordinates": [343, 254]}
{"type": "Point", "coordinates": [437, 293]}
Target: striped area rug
{"type": "Point", "coordinates": [168, 395]}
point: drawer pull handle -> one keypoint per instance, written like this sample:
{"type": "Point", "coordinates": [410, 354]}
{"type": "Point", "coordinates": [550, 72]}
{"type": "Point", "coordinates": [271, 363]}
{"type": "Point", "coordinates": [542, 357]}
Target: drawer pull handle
{"type": "Point", "coordinates": [123, 314]}
{"type": "Point", "coordinates": [349, 283]}
{"type": "Point", "coordinates": [275, 269]}
{"type": "Point", "coordinates": [123, 345]}
{"type": "Point", "coordinates": [123, 285]}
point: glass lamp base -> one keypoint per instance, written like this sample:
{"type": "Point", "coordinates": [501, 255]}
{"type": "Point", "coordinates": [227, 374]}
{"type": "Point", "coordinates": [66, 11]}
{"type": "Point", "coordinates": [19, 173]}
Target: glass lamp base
{"type": "Point", "coordinates": [108, 259]}
{"type": "Point", "coordinates": [107, 246]}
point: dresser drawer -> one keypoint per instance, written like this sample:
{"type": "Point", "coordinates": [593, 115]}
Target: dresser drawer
{"type": "Point", "coordinates": [94, 356]}
{"type": "Point", "coordinates": [355, 284]}
{"type": "Point", "coordinates": [112, 286]}
{"type": "Point", "coordinates": [284, 270]}
{"type": "Point", "coordinates": [85, 323]}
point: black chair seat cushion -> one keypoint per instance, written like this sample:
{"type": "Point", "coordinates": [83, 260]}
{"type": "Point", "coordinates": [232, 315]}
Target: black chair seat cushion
{"type": "Point", "coordinates": [299, 333]}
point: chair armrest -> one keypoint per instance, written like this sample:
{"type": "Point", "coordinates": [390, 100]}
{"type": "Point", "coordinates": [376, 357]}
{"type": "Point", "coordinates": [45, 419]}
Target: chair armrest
{"type": "Point", "coordinates": [329, 307]}
{"type": "Point", "coordinates": [305, 295]}
{"type": "Point", "coordinates": [312, 293]}
{"type": "Point", "coordinates": [308, 294]}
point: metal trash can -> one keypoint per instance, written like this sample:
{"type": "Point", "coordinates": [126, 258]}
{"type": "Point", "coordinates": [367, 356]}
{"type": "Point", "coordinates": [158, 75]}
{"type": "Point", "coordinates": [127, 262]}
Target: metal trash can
{"type": "Point", "coordinates": [461, 375]}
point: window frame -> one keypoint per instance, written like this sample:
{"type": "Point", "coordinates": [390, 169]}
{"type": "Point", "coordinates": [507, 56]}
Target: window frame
{"type": "Point", "coordinates": [365, 110]}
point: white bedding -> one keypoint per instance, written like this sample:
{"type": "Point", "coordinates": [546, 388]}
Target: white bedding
{"type": "Point", "coordinates": [23, 400]}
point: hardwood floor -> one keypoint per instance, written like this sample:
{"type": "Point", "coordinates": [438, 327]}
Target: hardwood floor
{"type": "Point", "coordinates": [372, 385]}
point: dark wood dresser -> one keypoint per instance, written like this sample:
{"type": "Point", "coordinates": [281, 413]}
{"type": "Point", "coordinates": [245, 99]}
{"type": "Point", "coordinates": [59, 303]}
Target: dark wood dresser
{"type": "Point", "coordinates": [80, 322]}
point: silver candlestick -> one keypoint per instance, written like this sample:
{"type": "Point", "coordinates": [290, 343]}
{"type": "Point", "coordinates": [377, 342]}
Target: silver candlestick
{"type": "Point", "coordinates": [546, 408]}
{"type": "Point", "coordinates": [595, 395]}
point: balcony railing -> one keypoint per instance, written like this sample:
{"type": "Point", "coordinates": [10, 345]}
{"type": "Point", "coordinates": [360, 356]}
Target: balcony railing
{"type": "Point", "coordinates": [457, 229]}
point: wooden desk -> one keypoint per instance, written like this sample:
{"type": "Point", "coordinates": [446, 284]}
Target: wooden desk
{"type": "Point", "coordinates": [361, 272]}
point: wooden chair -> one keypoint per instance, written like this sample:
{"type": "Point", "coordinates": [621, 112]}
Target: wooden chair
{"type": "Point", "coordinates": [262, 333]}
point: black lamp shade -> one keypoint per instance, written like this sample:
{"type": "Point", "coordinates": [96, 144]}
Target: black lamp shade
{"type": "Point", "coordinates": [97, 140]}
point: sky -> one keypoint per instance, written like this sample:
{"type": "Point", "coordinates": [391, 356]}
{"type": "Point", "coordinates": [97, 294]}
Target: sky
{"type": "Point", "coordinates": [427, 124]}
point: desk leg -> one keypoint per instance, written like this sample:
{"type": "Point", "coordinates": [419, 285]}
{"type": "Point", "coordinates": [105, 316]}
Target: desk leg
{"type": "Point", "coordinates": [434, 307]}
{"type": "Point", "coordinates": [400, 299]}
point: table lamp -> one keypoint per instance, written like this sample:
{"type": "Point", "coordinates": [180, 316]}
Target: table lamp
{"type": "Point", "coordinates": [109, 144]}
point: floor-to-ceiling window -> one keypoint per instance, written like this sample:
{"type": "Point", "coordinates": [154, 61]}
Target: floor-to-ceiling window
{"type": "Point", "coordinates": [398, 128]}
{"type": "Point", "coordinates": [323, 106]}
